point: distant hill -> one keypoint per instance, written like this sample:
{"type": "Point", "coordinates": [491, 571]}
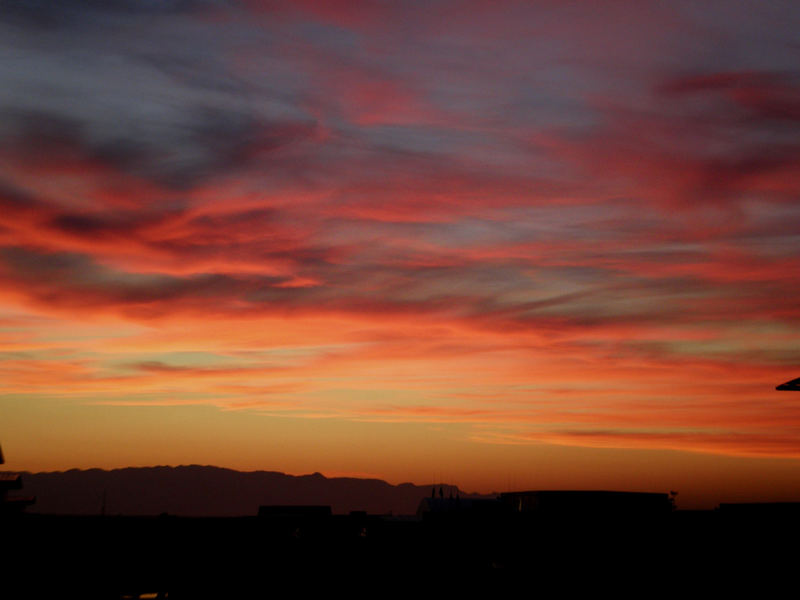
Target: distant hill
{"type": "Point", "coordinates": [212, 491]}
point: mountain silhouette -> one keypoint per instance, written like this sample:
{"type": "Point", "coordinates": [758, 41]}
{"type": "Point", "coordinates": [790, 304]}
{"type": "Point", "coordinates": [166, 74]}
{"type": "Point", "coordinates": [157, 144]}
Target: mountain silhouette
{"type": "Point", "coordinates": [196, 490]}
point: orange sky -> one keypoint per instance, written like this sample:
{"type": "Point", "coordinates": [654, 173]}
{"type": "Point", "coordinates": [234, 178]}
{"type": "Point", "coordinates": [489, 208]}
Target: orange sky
{"type": "Point", "coordinates": [549, 246]}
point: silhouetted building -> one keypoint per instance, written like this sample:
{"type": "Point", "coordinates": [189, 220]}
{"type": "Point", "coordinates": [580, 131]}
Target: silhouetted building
{"type": "Point", "coordinates": [10, 504]}
{"type": "Point", "coordinates": [587, 503]}
{"type": "Point", "coordinates": [463, 507]}
{"type": "Point", "coordinates": [297, 521]}
{"type": "Point", "coordinates": [762, 510]}
{"type": "Point", "coordinates": [295, 511]}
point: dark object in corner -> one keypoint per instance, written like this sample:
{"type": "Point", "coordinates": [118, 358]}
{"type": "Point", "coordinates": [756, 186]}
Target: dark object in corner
{"type": "Point", "coordinates": [10, 504]}
{"type": "Point", "coordinates": [790, 386]}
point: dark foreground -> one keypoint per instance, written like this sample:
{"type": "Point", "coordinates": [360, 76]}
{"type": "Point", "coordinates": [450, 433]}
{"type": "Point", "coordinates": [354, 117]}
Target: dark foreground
{"type": "Point", "coordinates": [254, 557]}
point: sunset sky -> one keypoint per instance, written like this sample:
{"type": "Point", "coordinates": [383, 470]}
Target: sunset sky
{"type": "Point", "coordinates": [505, 245]}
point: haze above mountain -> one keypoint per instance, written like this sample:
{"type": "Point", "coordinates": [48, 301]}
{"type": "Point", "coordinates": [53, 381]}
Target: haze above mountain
{"type": "Point", "coordinates": [212, 491]}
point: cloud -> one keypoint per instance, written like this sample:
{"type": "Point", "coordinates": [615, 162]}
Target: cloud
{"type": "Point", "coordinates": [545, 215]}
{"type": "Point", "coordinates": [763, 95]}
{"type": "Point", "coordinates": [764, 443]}
{"type": "Point", "coordinates": [200, 143]}
{"type": "Point", "coordinates": [47, 13]}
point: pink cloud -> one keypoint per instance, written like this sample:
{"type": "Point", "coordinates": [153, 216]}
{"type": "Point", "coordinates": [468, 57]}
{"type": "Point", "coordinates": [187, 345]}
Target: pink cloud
{"type": "Point", "coordinates": [548, 223]}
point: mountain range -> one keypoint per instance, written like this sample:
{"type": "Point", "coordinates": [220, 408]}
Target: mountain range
{"type": "Point", "coordinates": [196, 490]}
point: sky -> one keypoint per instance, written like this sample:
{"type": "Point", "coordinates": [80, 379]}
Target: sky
{"type": "Point", "coordinates": [517, 245]}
